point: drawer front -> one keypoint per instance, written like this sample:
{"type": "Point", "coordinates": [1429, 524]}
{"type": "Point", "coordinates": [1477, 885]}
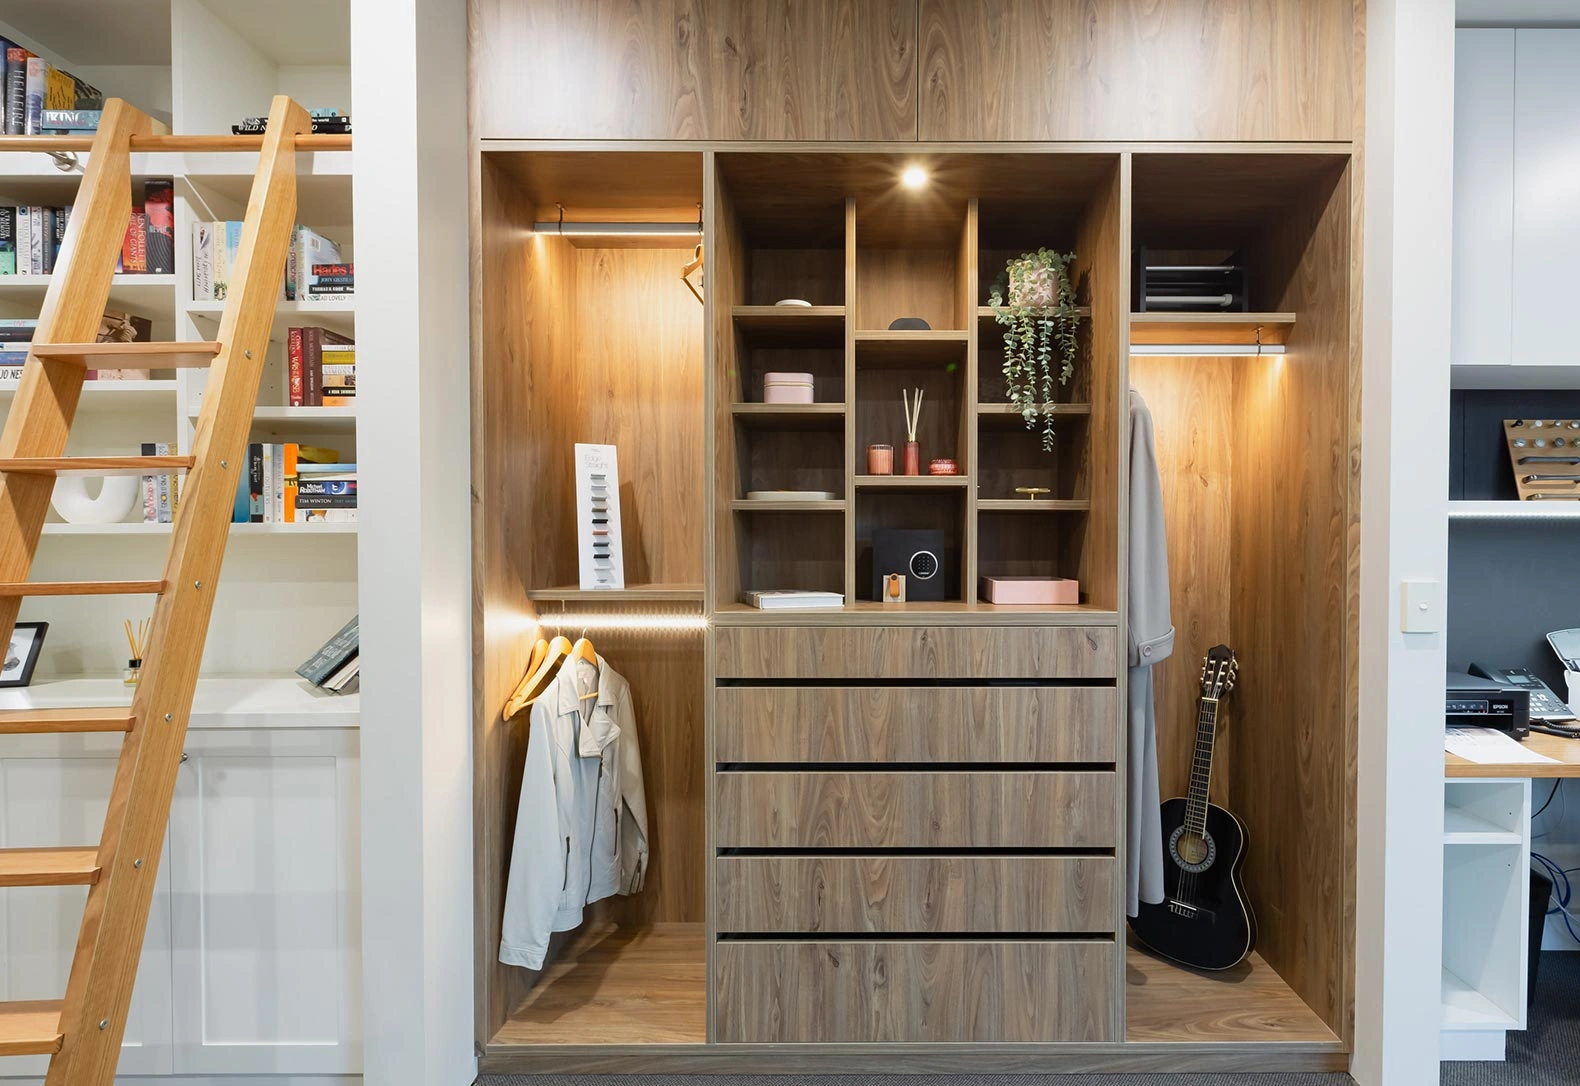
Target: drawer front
{"type": "Point", "coordinates": [900, 894]}
{"type": "Point", "coordinates": [916, 652]}
{"type": "Point", "coordinates": [915, 991]}
{"type": "Point", "coordinates": [1015, 809]}
{"type": "Point", "coordinates": [916, 724]}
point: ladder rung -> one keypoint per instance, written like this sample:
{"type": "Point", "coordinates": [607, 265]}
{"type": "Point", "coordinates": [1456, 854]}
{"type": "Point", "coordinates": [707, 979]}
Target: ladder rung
{"type": "Point", "coordinates": [96, 465]}
{"type": "Point", "coordinates": [81, 588]}
{"type": "Point", "coordinates": [49, 721]}
{"type": "Point", "coordinates": [49, 866]}
{"type": "Point", "coordinates": [157, 356]}
{"type": "Point", "coordinates": [30, 1028]}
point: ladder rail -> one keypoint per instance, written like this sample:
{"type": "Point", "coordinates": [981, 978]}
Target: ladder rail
{"type": "Point", "coordinates": [104, 967]}
{"type": "Point", "coordinates": [46, 397]}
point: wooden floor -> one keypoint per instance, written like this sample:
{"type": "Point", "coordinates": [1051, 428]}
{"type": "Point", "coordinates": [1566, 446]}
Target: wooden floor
{"type": "Point", "coordinates": [619, 987]}
{"type": "Point", "coordinates": [1247, 1003]}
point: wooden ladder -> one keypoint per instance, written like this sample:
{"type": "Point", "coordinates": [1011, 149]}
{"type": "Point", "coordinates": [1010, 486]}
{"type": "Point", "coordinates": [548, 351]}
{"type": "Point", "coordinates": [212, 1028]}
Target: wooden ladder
{"type": "Point", "coordinates": [82, 1033]}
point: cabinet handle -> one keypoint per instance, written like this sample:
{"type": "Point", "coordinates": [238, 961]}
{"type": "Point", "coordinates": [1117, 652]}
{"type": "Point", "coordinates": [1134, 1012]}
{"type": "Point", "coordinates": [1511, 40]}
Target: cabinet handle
{"type": "Point", "coordinates": [183, 757]}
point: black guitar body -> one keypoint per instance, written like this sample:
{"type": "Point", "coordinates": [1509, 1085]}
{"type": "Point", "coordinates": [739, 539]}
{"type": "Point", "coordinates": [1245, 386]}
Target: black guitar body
{"type": "Point", "coordinates": [1205, 920]}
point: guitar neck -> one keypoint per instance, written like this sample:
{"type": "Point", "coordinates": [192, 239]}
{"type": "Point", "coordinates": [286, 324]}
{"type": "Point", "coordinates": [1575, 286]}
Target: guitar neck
{"type": "Point", "coordinates": [1201, 766]}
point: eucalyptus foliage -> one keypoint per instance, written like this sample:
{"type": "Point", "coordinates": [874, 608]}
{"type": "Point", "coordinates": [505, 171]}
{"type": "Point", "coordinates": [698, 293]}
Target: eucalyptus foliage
{"type": "Point", "coordinates": [1035, 302]}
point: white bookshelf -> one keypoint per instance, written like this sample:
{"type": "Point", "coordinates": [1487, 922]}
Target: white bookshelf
{"type": "Point", "coordinates": [222, 701]}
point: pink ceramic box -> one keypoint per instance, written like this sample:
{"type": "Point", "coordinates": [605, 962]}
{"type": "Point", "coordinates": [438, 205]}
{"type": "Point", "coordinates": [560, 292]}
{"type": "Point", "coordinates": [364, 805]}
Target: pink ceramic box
{"type": "Point", "coordinates": [1038, 591]}
{"type": "Point", "coordinates": [787, 388]}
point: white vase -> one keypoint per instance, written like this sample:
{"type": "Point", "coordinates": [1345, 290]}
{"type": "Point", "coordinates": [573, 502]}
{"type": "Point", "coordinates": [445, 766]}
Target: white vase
{"type": "Point", "coordinates": [114, 501]}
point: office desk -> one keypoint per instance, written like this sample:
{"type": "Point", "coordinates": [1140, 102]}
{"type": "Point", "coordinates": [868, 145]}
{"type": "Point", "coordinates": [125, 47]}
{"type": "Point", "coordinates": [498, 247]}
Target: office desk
{"type": "Point", "coordinates": [1486, 893]}
{"type": "Point", "coordinates": [1567, 751]}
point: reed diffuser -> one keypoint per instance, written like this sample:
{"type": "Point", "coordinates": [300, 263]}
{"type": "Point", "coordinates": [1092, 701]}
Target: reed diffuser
{"type": "Point", "coordinates": [912, 457]}
{"type": "Point", "coordinates": [137, 640]}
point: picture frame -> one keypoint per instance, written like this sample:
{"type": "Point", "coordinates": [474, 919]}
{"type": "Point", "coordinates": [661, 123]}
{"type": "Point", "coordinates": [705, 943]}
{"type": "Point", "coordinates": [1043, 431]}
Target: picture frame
{"type": "Point", "coordinates": [27, 641]}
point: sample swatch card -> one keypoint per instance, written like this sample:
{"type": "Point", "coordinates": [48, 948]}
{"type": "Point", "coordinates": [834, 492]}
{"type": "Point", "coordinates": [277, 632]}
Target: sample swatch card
{"type": "Point", "coordinates": [598, 518]}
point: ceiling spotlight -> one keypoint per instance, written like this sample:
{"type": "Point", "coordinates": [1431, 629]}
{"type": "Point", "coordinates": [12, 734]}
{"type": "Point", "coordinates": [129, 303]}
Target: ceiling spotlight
{"type": "Point", "coordinates": [914, 177]}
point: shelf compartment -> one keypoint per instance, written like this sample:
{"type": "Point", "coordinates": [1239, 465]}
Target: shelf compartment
{"type": "Point", "coordinates": [985, 315]}
{"type": "Point", "coordinates": [790, 416]}
{"type": "Point", "coordinates": [785, 458]}
{"type": "Point", "coordinates": [1206, 329]}
{"type": "Point", "coordinates": [878, 484]}
{"type": "Point", "coordinates": [338, 315]}
{"type": "Point", "coordinates": [791, 326]}
{"type": "Point", "coordinates": [1006, 416]}
{"type": "Point", "coordinates": [145, 295]}
{"type": "Point", "coordinates": [746, 505]}
{"type": "Point", "coordinates": [909, 350]}
{"type": "Point", "coordinates": [1466, 1008]}
{"type": "Point", "coordinates": [1483, 810]}
{"type": "Point", "coordinates": [1039, 505]}
{"type": "Point", "coordinates": [647, 593]}
{"type": "Point", "coordinates": [1462, 827]}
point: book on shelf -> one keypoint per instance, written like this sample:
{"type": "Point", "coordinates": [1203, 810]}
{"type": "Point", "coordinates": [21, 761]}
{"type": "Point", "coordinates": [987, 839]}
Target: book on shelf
{"type": "Point", "coordinates": [161, 493]}
{"type": "Point", "coordinates": [787, 599]}
{"type": "Point", "coordinates": [15, 89]}
{"type": "Point", "coordinates": [41, 99]}
{"type": "Point", "coordinates": [333, 656]}
{"type": "Point", "coordinates": [325, 281]}
{"type": "Point", "coordinates": [159, 223]}
{"type": "Point", "coordinates": [324, 121]}
{"type": "Point", "coordinates": [7, 241]}
{"type": "Point", "coordinates": [345, 680]}
{"type": "Point", "coordinates": [71, 122]}
{"type": "Point", "coordinates": [308, 247]}
{"type": "Point", "coordinates": [37, 80]}
{"type": "Point", "coordinates": [305, 373]}
{"type": "Point", "coordinates": [339, 379]}
{"type": "Point", "coordinates": [295, 484]}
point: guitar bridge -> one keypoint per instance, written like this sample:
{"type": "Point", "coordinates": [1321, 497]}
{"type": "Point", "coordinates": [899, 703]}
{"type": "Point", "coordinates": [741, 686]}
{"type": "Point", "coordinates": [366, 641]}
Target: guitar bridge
{"type": "Point", "coordinates": [1179, 908]}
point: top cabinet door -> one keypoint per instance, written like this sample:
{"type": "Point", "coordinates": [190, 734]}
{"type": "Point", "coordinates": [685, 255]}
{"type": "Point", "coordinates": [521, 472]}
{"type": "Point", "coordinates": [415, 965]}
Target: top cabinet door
{"type": "Point", "coordinates": [1136, 70]}
{"type": "Point", "coordinates": [695, 69]}
{"type": "Point", "coordinates": [1483, 317]}
{"type": "Point", "coordinates": [1546, 208]}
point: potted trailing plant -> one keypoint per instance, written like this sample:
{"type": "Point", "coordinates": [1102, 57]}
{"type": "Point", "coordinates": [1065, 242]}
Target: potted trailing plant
{"type": "Point", "coordinates": [1035, 302]}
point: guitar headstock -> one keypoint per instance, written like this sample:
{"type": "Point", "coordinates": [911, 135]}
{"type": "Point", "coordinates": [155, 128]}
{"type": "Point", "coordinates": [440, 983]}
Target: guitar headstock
{"type": "Point", "coordinates": [1219, 669]}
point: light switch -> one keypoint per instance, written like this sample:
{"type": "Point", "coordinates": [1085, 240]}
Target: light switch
{"type": "Point", "coordinates": [1421, 606]}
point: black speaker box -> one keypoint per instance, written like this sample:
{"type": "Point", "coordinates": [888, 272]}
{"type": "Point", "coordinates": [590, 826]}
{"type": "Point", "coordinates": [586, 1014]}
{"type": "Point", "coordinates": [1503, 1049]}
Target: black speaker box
{"type": "Point", "coordinates": [917, 554]}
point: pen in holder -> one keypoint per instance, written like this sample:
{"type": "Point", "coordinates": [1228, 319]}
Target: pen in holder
{"type": "Point", "coordinates": [137, 641]}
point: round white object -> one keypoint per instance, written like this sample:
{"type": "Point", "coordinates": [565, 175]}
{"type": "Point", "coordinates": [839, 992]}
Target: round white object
{"type": "Point", "coordinates": [115, 499]}
{"type": "Point", "coordinates": [794, 301]}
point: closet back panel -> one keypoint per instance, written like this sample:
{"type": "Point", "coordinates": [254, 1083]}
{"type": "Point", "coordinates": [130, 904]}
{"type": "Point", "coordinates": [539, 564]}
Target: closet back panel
{"type": "Point", "coordinates": [600, 345]}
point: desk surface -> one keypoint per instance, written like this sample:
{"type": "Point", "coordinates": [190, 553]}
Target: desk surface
{"type": "Point", "coordinates": [1567, 751]}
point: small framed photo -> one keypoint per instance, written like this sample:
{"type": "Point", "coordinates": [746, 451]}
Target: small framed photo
{"type": "Point", "coordinates": [26, 642]}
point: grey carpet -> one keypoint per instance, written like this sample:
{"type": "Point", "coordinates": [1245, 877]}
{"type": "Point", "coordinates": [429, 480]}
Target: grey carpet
{"type": "Point", "coordinates": [1548, 1052]}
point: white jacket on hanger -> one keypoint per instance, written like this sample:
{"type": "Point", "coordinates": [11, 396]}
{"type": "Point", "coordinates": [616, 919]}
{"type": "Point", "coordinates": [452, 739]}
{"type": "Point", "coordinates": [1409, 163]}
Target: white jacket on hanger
{"type": "Point", "coordinates": [581, 829]}
{"type": "Point", "coordinates": [1151, 640]}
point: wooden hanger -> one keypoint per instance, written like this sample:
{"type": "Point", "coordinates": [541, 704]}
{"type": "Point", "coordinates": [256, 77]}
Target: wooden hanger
{"type": "Point", "coordinates": [583, 650]}
{"type": "Point", "coordinates": [555, 652]}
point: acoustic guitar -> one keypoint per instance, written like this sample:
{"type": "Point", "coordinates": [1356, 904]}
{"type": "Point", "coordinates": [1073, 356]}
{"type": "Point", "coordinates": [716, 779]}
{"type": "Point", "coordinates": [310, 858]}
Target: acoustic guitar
{"type": "Point", "coordinates": [1204, 920]}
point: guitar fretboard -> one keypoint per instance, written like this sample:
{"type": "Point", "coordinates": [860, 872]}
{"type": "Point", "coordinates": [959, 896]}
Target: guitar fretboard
{"type": "Point", "coordinates": [1201, 767]}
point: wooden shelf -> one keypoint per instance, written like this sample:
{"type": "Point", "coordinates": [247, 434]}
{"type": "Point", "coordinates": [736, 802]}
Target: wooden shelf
{"type": "Point", "coordinates": [1039, 505]}
{"type": "Point", "coordinates": [985, 314]}
{"type": "Point", "coordinates": [879, 484]}
{"type": "Point", "coordinates": [910, 350]}
{"type": "Point", "coordinates": [791, 325]}
{"type": "Point", "coordinates": [1249, 1003]}
{"type": "Point", "coordinates": [1194, 329]}
{"type": "Point", "coordinates": [790, 416]}
{"type": "Point", "coordinates": [945, 613]}
{"type": "Point", "coordinates": [617, 986]}
{"type": "Point", "coordinates": [1006, 416]}
{"type": "Point", "coordinates": [679, 593]}
{"type": "Point", "coordinates": [745, 505]}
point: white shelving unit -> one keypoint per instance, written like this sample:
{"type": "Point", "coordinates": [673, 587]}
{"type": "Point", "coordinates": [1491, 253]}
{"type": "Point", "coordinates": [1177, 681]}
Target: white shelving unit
{"type": "Point", "coordinates": [1486, 893]}
{"type": "Point", "coordinates": [222, 701]}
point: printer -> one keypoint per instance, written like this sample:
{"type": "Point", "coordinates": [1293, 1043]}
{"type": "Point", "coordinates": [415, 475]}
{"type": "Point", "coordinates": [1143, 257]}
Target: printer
{"type": "Point", "coordinates": [1483, 703]}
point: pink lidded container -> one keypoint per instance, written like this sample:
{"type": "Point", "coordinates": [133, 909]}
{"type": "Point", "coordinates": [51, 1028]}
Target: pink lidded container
{"type": "Point", "coordinates": [787, 388]}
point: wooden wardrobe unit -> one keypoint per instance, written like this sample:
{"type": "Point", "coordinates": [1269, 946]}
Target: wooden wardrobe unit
{"type": "Point", "coordinates": [891, 837]}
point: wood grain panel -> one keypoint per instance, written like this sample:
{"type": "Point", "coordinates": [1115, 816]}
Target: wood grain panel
{"type": "Point", "coordinates": [1016, 809]}
{"type": "Point", "coordinates": [695, 69]}
{"type": "Point", "coordinates": [1192, 405]}
{"type": "Point", "coordinates": [1248, 1004]}
{"type": "Point", "coordinates": [1135, 70]}
{"type": "Point", "coordinates": [885, 894]}
{"type": "Point", "coordinates": [931, 652]}
{"type": "Point", "coordinates": [914, 991]}
{"type": "Point", "coordinates": [916, 724]}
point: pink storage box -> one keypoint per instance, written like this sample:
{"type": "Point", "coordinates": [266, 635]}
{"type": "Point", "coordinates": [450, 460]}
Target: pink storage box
{"type": "Point", "coordinates": [787, 388]}
{"type": "Point", "coordinates": [1039, 591]}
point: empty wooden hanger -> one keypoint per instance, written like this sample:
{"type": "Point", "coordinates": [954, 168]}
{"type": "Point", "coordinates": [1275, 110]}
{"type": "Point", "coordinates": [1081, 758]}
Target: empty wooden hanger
{"type": "Point", "coordinates": [555, 652]}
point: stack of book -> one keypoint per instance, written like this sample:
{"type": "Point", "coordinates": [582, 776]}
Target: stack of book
{"type": "Point", "coordinates": [296, 484]}
{"type": "Point", "coordinates": [41, 99]}
{"type": "Point", "coordinates": [214, 246]}
{"type": "Point", "coordinates": [321, 368]}
{"type": "Point", "coordinates": [161, 493]}
{"type": "Point", "coordinates": [325, 121]}
{"type": "Point", "coordinates": [31, 235]}
{"type": "Point", "coordinates": [328, 281]}
{"type": "Point", "coordinates": [334, 667]}
{"type": "Point", "coordinates": [16, 338]}
{"type": "Point", "coordinates": [789, 599]}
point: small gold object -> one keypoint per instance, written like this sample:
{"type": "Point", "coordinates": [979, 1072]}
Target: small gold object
{"type": "Point", "coordinates": [1031, 492]}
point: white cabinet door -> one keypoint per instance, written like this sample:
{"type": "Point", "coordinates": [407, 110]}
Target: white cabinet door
{"type": "Point", "coordinates": [1483, 317]}
{"type": "Point", "coordinates": [54, 791]}
{"type": "Point", "coordinates": [264, 876]}
{"type": "Point", "coordinates": [1546, 197]}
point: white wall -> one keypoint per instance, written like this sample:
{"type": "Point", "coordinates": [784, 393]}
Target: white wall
{"type": "Point", "coordinates": [1404, 491]}
{"type": "Point", "coordinates": [409, 105]}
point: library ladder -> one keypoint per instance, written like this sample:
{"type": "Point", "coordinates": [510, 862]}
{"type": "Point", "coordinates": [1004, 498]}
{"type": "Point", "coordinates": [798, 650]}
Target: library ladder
{"type": "Point", "coordinates": [82, 1032]}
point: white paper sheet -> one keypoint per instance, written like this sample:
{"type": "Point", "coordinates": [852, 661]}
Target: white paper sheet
{"type": "Point", "coordinates": [1484, 745]}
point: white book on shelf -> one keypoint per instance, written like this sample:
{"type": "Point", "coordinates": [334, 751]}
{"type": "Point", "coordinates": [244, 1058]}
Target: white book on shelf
{"type": "Point", "coordinates": [787, 599]}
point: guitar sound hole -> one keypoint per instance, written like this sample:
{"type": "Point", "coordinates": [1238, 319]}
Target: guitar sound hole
{"type": "Point", "coordinates": [1192, 851]}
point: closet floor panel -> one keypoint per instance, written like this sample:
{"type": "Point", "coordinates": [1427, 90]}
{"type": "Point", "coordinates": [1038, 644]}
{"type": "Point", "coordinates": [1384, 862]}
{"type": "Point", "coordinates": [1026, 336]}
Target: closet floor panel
{"type": "Point", "coordinates": [619, 986]}
{"type": "Point", "coordinates": [1251, 1002]}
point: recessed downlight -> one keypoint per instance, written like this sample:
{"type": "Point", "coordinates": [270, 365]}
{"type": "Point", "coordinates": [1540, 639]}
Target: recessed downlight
{"type": "Point", "coordinates": [913, 178]}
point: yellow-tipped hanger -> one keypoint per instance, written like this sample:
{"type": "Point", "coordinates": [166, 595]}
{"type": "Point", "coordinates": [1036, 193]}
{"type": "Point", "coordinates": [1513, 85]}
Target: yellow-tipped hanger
{"type": "Point", "coordinates": [531, 688]}
{"type": "Point", "coordinates": [583, 650]}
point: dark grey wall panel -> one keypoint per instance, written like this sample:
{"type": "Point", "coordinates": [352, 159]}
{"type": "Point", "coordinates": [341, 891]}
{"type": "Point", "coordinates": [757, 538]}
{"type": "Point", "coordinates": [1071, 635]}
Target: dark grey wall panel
{"type": "Point", "coordinates": [1478, 459]}
{"type": "Point", "coordinates": [1508, 585]}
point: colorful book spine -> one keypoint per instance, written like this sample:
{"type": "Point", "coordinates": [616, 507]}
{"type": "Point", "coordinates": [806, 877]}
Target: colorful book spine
{"type": "Point", "coordinates": [35, 241]}
{"type": "Point", "coordinates": [339, 365]}
{"type": "Point", "coordinates": [150, 488]}
{"type": "Point", "coordinates": [310, 248]}
{"type": "Point", "coordinates": [293, 363]}
{"type": "Point", "coordinates": [37, 78]}
{"type": "Point", "coordinates": [267, 497]}
{"type": "Point", "coordinates": [15, 89]}
{"type": "Point", "coordinates": [160, 225]}
{"type": "Point", "coordinates": [255, 484]}
{"type": "Point", "coordinates": [134, 246]}
{"type": "Point", "coordinates": [290, 481]}
{"type": "Point", "coordinates": [24, 240]}
{"type": "Point", "coordinates": [7, 240]}
{"type": "Point", "coordinates": [227, 240]}
{"type": "Point", "coordinates": [164, 499]}
{"type": "Point", "coordinates": [202, 261]}
{"type": "Point", "coordinates": [60, 90]}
